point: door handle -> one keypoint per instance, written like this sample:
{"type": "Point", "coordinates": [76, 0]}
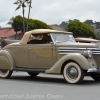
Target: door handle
{"type": "Point", "coordinates": [29, 48]}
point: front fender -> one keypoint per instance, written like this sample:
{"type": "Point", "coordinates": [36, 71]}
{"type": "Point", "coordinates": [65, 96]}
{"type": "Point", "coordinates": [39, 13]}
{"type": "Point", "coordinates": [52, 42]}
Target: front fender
{"type": "Point", "coordinates": [6, 60]}
{"type": "Point", "coordinates": [78, 58]}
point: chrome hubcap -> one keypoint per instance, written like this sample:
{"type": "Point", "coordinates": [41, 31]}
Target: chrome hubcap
{"type": "Point", "coordinates": [3, 71]}
{"type": "Point", "coordinates": [72, 73]}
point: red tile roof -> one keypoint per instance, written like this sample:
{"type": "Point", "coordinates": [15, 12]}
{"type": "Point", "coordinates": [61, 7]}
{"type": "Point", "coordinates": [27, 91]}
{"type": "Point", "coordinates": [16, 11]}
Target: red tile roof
{"type": "Point", "coordinates": [6, 32]}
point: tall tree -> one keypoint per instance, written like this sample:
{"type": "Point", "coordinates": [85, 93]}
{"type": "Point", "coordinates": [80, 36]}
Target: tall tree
{"type": "Point", "coordinates": [89, 22]}
{"type": "Point", "coordinates": [21, 3]}
{"type": "Point", "coordinates": [17, 24]}
{"type": "Point", "coordinates": [80, 29]}
{"type": "Point", "coordinates": [28, 14]}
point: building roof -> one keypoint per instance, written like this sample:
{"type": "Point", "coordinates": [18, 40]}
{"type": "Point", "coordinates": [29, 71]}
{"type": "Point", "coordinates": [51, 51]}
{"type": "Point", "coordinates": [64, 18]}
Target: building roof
{"type": "Point", "coordinates": [7, 31]}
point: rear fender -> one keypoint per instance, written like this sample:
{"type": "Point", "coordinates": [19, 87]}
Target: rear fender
{"type": "Point", "coordinates": [6, 60]}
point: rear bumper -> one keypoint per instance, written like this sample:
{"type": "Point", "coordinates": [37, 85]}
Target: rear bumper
{"type": "Point", "coordinates": [94, 70]}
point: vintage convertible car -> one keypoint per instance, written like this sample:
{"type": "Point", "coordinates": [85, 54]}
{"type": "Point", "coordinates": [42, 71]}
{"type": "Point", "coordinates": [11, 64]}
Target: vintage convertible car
{"type": "Point", "coordinates": [51, 52]}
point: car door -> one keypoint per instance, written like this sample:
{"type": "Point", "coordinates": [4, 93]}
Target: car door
{"type": "Point", "coordinates": [20, 54]}
{"type": "Point", "coordinates": [40, 55]}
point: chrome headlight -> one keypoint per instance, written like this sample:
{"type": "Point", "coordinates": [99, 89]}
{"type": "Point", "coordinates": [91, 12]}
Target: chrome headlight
{"type": "Point", "coordinates": [87, 54]}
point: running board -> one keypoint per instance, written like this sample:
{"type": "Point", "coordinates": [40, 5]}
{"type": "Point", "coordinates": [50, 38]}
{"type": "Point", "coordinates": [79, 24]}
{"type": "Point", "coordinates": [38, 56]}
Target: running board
{"type": "Point", "coordinates": [30, 70]}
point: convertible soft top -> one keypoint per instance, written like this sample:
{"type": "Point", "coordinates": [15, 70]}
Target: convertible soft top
{"type": "Point", "coordinates": [39, 31]}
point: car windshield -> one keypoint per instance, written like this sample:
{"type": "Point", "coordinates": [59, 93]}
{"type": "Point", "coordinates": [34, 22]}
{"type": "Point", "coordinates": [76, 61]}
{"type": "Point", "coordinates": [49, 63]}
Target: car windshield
{"type": "Point", "coordinates": [62, 37]}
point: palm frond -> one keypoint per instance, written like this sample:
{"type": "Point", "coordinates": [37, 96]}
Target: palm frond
{"type": "Point", "coordinates": [21, 1]}
{"type": "Point", "coordinates": [9, 23]}
{"type": "Point", "coordinates": [28, 3]}
{"type": "Point", "coordinates": [17, 2]}
{"type": "Point", "coordinates": [18, 7]}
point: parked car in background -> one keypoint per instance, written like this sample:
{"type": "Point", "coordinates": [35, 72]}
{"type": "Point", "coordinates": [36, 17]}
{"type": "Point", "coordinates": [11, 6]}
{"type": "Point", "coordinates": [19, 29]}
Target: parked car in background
{"type": "Point", "coordinates": [51, 52]}
{"type": "Point", "coordinates": [86, 40]}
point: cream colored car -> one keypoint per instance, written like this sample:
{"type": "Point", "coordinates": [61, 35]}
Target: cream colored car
{"type": "Point", "coordinates": [51, 52]}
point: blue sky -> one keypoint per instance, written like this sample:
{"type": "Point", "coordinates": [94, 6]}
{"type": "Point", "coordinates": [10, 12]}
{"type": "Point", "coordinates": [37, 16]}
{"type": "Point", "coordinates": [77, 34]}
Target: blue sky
{"type": "Point", "coordinates": [53, 11]}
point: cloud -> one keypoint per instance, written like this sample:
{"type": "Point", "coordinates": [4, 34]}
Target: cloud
{"type": "Point", "coordinates": [53, 11]}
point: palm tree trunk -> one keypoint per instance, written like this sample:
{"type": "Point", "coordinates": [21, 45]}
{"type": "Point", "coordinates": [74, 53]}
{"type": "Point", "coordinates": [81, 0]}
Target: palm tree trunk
{"type": "Point", "coordinates": [28, 15]}
{"type": "Point", "coordinates": [23, 22]}
{"type": "Point", "coordinates": [16, 35]}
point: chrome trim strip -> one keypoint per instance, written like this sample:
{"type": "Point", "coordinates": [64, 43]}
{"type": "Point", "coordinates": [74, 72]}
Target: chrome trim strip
{"type": "Point", "coordinates": [95, 53]}
{"type": "Point", "coordinates": [67, 53]}
{"type": "Point", "coordinates": [78, 48]}
{"type": "Point", "coordinates": [63, 50]}
{"type": "Point", "coordinates": [70, 50]}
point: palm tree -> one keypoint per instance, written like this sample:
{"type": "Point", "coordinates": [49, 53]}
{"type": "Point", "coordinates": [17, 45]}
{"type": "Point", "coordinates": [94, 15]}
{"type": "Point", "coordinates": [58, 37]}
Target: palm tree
{"type": "Point", "coordinates": [21, 3]}
{"type": "Point", "coordinates": [28, 13]}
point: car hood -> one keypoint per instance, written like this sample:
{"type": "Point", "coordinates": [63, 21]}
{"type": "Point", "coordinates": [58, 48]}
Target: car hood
{"type": "Point", "coordinates": [77, 45]}
{"type": "Point", "coordinates": [64, 48]}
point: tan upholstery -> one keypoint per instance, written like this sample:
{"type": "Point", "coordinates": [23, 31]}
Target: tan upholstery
{"type": "Point", "coordinates": [46, 37]}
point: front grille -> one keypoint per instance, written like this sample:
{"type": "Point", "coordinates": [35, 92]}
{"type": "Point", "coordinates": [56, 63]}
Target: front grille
{"type": "Point", "coordinates": [97, 59]}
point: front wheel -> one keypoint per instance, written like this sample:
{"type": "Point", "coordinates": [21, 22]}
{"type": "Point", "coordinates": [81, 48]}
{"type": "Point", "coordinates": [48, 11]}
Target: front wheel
{"type": "Point", "coordinates": [96, 77]}
{"type": "Point", "coordinates": [5, 73]}
{"type": "Point", "coordinates": [32, 74]}
{"type": "Point", "coordinates": [73, 73]}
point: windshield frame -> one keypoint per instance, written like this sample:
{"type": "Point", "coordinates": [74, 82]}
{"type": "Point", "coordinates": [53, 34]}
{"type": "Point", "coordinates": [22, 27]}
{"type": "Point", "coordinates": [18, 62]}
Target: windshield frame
{"type": "Point", "coordinates": [51, 34]}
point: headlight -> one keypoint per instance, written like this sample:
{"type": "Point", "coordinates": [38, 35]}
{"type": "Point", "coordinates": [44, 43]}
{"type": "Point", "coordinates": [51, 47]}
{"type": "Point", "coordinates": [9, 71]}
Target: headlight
{"type": "Point", "coordinates": [87, 54]}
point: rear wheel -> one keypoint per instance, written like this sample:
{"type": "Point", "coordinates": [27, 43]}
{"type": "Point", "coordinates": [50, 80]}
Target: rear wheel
{"type": "Point", "coordinates": [32, 74]}
{"type": "Point", "coordinates": [5, 73]}
{"type": "Point", "coordinates": [73, 73]}
{"type": "Point", "coordinates": [96, 77]}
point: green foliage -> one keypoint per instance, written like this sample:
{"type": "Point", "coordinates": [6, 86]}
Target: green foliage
{"type": "Point", "coordinates": [17, 24]}
{"type": "Point", "coordinates": [36, 24]}
{"type": "Point", "coordinates": [64, 24]}
{"type": "Point", "coordinates": [80, 29]}
{"type": "Point", "coordinates": [98, 36]}
{"type": "Point", "coordinates": [97, 24]}
{"type": "Point", "coordinates": [89, 22]}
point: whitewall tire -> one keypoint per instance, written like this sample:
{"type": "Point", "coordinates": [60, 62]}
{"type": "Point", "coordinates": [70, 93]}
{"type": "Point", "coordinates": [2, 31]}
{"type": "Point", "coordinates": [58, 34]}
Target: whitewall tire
{"type": "Point", "coordinates": [73, 73]}
{"type": "Point", "coordinates": [5, 73]}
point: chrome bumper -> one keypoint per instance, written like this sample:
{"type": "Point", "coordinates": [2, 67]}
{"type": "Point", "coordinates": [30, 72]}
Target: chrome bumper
{"type": "Point", "coordinates": [93, 70]}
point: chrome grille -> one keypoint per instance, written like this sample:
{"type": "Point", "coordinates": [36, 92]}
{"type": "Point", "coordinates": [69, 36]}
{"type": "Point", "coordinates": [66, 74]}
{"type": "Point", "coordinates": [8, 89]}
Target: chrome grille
{"type": "Point", "coordinates": [97, 59]}
{"type": "Point", "coordinates": [78, 50]}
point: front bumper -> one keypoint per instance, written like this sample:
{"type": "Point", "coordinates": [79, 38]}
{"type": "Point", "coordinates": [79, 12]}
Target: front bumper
{"type": "Point", "coordinates": [94, 70]}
